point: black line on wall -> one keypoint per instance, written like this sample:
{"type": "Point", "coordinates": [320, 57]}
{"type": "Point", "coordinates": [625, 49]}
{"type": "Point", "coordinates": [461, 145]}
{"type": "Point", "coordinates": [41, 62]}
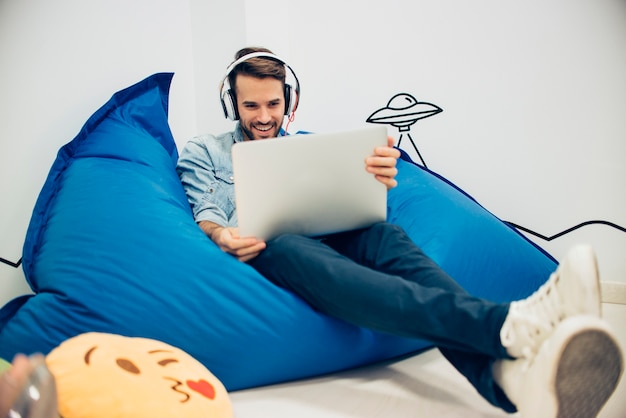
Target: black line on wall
{"type": "Point", "coordinates": [567, 231]}
{"type": "Point", "coordinates": [11, 263]}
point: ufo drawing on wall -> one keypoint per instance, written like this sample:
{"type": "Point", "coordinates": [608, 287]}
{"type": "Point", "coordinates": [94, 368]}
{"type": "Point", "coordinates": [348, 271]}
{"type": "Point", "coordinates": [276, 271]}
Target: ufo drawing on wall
{"type": "Point", "coordinates": [402, 111]}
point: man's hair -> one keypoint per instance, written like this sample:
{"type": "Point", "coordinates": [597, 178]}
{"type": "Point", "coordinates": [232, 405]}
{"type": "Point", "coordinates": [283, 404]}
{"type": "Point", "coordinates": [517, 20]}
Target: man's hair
{"type": "Point", "coordinates": [260, 67]}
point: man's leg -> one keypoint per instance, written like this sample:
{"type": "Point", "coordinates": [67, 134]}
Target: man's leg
{"type": "Point", "coordinates": [552, 332]}
{"type": "Point", "coordinates": [429, 305]}
{"type": "Point", "coordinates": [435, 309]}
{"type": "Point", "coordinates": [386, 247]}
{"type": "Point", "coordinates": [570, 291]}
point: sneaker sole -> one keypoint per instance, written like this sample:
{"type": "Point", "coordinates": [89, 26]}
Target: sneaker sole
{"type": "Point", "coordinates": [588, 371]}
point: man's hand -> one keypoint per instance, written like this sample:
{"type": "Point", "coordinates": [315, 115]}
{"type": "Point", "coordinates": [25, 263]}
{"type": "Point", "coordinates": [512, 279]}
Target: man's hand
{"type": "Point", "coordinates": [383, 164]}
{"type": "Point", "coordinates": [229, 241]}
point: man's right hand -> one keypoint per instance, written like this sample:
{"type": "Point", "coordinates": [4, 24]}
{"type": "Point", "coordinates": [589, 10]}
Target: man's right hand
{"type": "Point", "coordinates": [229, 241]}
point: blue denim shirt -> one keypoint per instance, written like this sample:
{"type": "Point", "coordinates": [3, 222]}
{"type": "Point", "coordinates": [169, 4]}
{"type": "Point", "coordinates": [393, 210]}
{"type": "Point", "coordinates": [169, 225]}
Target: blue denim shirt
{"type": "Point", "coordinates": [206, 172]}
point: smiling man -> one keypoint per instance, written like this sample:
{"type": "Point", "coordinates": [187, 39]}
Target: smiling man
{"type": "Point", "coordinates": [517, 355]}
{"type": "Point", "coordinates": [261, 112]}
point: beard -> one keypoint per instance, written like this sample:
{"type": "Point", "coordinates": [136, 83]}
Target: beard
{"type": "Point", "coordinates": [269, 130]}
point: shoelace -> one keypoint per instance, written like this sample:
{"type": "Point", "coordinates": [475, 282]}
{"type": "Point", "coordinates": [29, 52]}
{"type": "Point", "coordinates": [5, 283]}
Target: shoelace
{"type": "Point", "coordinates": [532, 319]}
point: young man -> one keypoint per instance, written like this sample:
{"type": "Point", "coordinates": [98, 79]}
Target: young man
{"type": "Point", "coordinates": [536, 355]}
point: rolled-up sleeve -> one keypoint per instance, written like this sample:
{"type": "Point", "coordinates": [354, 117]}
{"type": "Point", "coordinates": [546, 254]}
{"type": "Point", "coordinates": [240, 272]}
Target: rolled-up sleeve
{"type": "Point", "coordinates": [197, 173]}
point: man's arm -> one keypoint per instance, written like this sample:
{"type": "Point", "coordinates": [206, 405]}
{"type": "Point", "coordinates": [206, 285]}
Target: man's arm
{"type": "Point", "coordinates": [229, 241]}
{"type": "Point", "coordinates": [197, 174]}
{"type": "Point", "coordinates": [209, 228]}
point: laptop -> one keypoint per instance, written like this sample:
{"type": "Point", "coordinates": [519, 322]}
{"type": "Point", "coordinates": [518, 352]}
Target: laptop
{"type": "Point", "coordinates": [308, 184]}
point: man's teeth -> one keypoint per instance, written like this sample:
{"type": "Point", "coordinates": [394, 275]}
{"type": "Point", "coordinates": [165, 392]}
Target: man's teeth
{"type": "Point", "coordinates": [264, 128]}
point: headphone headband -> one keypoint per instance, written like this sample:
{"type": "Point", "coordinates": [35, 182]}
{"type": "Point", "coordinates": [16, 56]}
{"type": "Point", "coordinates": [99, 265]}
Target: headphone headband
{"type": "Point", "coordinates": [227, 93]}
{"type": "Point", "coordinates": [249, 56]}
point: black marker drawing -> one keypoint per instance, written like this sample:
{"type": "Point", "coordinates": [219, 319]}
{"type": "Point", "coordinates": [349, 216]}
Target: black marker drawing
{"type": "Point", "coordinates": [402, 111]}
{"type": "Point", "coordinates": [11, 263]}
{"type": "Point", "coordinates": [567, 231]}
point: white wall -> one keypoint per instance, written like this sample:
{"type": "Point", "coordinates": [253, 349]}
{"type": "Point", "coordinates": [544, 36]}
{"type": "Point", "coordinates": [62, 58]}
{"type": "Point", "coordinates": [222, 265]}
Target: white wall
{"type": "Point", "coordinates": [534, 98]}
{"type": "Point", "coordinates": [61, 60]}
{"type": "Point", "coordinates": [533, 92]}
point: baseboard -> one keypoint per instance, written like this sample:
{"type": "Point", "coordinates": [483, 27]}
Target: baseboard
{"type": "Point", "coordinates": [613, 292]}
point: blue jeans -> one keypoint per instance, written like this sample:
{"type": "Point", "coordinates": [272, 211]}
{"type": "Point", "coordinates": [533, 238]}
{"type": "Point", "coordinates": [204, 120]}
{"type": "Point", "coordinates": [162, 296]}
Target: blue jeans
{"type": "Point", "coordinates": [379, 279]}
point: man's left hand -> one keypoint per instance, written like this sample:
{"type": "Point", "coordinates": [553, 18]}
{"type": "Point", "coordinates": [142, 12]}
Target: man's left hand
{"type": "Point", "coordinates": [383, 164]}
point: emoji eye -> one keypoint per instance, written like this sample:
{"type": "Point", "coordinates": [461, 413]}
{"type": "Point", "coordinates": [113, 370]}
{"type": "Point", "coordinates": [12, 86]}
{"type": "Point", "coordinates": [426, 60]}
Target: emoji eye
{"type": "Point", "coordinates": [128, 365]}
{"type": "Point", "coordinates": [167, 361]}
{"type": "Point", "coordinates": [88, 354]}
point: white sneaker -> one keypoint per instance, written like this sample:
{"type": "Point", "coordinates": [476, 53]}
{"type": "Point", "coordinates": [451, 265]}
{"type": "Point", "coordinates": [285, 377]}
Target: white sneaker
{"type": "Point", "coordinates": [573, 375]}
{"type": "Point", "coordinates": [573, 289]}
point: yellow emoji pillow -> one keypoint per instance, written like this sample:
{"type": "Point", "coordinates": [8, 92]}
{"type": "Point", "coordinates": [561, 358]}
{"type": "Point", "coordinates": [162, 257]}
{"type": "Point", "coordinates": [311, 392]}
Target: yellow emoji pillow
{"type": "Point", "coordinates": [108, 375]}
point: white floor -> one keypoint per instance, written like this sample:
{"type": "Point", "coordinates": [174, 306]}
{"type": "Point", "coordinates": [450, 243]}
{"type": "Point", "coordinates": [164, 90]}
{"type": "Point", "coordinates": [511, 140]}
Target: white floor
{"type": "Point", "coordinates": [425, 385]}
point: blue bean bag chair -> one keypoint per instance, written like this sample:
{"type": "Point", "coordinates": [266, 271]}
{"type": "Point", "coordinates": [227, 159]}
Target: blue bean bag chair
{"type": "Point", "coordinates": [112, 247]}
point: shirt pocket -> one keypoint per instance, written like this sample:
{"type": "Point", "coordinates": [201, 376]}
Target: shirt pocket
{"type": "Point", "coordinates": [221, 191]}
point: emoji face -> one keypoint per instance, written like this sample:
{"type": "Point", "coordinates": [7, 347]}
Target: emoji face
{"type": "Point", "coordinates": [138, 377]}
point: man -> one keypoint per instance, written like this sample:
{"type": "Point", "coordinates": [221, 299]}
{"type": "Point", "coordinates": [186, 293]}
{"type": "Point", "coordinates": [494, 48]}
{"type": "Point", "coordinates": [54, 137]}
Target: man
{"type": "Point", "coordinates": [530, 355]}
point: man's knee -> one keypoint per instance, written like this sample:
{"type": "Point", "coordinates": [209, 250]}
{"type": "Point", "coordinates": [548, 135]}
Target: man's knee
{"type": "Point", "coordinates": [286, 243]}
{"type": "Point", "coordinates": [382, 229]}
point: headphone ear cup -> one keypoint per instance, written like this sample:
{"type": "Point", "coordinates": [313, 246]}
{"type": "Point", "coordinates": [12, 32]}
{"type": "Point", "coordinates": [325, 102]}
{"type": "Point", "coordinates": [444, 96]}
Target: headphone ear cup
{"type": "Point", "coordinates": [287, 99]}
{"type": "Point", "coordinates": [229, 105]}
{"type": "Point", "coordinates": [291, 99]}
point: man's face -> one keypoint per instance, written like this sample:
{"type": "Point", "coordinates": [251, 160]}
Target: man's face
{"type": "Point", "coordinates": [261, 106]}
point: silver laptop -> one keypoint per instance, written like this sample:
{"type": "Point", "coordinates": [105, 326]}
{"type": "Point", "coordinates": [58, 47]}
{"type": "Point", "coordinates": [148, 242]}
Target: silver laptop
{"type": "Point", "coordinates": [312, 185]}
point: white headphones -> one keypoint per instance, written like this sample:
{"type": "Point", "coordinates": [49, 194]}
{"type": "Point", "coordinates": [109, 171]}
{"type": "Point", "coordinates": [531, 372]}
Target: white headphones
{"type": "Point", "coordinates": [227, 94]}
